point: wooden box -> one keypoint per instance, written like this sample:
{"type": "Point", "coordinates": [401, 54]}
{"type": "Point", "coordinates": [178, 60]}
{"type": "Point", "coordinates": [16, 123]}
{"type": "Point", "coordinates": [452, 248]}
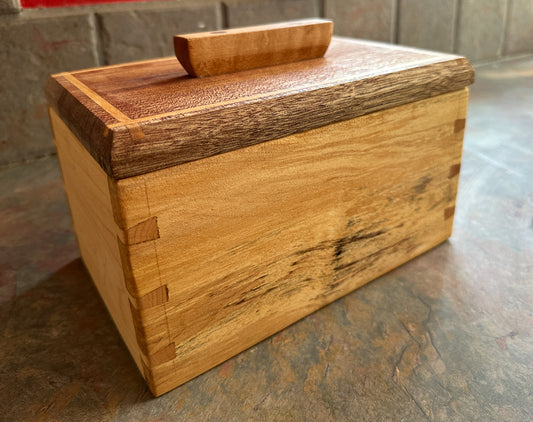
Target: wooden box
{"type": "Point", "coordinates": [213, 212]}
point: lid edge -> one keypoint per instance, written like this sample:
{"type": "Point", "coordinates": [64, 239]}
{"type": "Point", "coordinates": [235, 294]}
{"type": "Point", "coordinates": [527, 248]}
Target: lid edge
{"type": "Point", "coordinates": [178, 139]}
{"type": "Point", "coordinates": [126, 149]}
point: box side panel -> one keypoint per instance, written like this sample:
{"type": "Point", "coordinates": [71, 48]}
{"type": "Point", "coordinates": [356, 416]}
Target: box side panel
{"type": "Point", "coordinates": [253, 240]}
{"type": "Point", "coordinates": [89, 199]}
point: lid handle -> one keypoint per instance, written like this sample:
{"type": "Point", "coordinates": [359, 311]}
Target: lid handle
{"type": "Point", "coordinates": [233, 50]}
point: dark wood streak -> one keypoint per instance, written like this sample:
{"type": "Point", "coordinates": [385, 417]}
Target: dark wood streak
{"type": "Point", "coordinates": [321, 246]}
{"type": "Point", "coordinates": [247, 297]}
{"type": "Point", "coordinates": [422, 184]}
{"type": "Point", "coordinates": [288, 285]}
{"type": "Point", "coordinates": [372, 257]}
{"type": "Point", "coordinates": [280, 285]}
{"type": "Point", "coordinates": [394, 77]}
{"type": "Point", "coordinates": [341, 244]}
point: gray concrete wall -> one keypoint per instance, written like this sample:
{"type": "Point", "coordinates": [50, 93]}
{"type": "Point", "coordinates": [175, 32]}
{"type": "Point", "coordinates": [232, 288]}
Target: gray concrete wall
{"type": "Point", "coordinates": [36, 43]}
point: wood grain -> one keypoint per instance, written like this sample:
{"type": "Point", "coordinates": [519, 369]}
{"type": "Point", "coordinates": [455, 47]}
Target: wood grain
{"type": "Point", "coordinates": [101, 236]}
{"type": "Point", "coordinates": [90, 203]}
{"type": "Point", "coordinates": [251, 241]}
{"type": "Point", "coordinates": [233, 50]}
{"type": "Point", "coordinates": [168, 118]}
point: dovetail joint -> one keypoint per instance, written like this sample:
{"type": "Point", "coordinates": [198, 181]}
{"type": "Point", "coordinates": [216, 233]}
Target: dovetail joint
{"type": "Point", "coordinates": [459, 125]}
{"type": "Point", "coordinates": [454, 170]}
{"type": "Point", "coordinates": [142, 332]}
{"type": "Point", "coordinates": [449, 212]}
{"type": "Point", "coordinates": [143, 232]}
{"type": "Point", "coordinates": [154, 298]}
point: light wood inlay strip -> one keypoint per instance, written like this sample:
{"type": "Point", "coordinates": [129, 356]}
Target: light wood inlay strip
{"type": "Point", "coordinates": [133, 127]}
{"type": "Point", "coordinates": [115, 112]}
{"type": "Point", "coordinates": [135, 131]}
{"type": "Point", "coordinates": [121, 65]}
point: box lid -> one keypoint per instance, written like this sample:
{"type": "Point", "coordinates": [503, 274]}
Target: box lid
{"type": "Point", "coordinates": [145, 116]}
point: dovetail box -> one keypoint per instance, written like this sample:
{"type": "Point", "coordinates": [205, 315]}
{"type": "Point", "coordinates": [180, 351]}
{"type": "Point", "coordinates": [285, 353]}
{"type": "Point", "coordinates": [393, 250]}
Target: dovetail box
{"type": "Point", "coordinates": [213, 212]}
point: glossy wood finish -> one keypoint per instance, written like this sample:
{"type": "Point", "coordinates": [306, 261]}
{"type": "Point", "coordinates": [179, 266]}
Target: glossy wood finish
{"type": "Point", "coordinates": [141, 117]}
{"type": "Point", "coordinates": [216, 255]}
{"type": "Point", "coordinates": [233, 50]}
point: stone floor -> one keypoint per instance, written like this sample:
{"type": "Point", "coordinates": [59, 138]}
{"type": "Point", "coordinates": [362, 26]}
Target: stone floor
{"type": "Point", "coordinates": [446, 337]}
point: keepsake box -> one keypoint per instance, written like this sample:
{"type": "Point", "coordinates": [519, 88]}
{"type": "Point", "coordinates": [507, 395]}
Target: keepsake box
{"type": "Point", "coordinates": [214, 211]}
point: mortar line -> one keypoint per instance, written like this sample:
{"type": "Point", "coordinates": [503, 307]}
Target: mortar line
{"type": "Point", "coordinates": [395, 32]}
{"type": "Point", "coordinates": [98, 39]}
{"type": "Point", "coordinates": [506, 23]}
{"type": "Point", "coordinates": [322, 8]}
{"type": "Point", "coordinates": [455, 24]}
{"type": "Point", "coordinates": [224, 15]}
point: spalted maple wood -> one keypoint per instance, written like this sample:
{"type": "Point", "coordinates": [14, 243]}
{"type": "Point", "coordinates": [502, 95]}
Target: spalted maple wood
{"type": "Point", "coordinates": [140, 117]}
{"type": "Point", "coordinates": [90, 202]}
{"type": "Point", "coordinates": [220, 253]}
{"type": "Point", "coordinates": [233, 50]}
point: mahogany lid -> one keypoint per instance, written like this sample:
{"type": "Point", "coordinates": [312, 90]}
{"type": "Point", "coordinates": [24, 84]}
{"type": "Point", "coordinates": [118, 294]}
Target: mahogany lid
{"type": "Point", "coordinates": [145, 116]}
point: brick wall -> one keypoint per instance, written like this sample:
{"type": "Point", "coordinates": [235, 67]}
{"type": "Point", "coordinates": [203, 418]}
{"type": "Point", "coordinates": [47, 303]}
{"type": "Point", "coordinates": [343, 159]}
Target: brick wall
{"type": "Point", "coordinates": [38, 42]}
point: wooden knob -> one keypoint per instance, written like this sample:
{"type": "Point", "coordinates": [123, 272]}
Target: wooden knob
{"type": "Point", "coordinates": [233, 50]}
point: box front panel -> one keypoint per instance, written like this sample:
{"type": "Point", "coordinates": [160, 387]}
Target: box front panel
{"type": "Point", "coordinates": [252, 240]}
